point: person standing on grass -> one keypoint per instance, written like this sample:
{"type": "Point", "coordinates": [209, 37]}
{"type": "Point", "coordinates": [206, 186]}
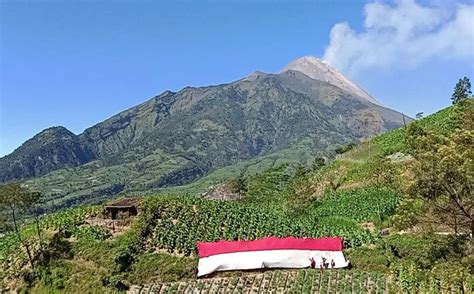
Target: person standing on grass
{"type": "Point", "coordinates": [323, 264]}
{"type": "Point", "coordinates": [313, 262]}
{"type": "Point", "coordinates": [333, 264]}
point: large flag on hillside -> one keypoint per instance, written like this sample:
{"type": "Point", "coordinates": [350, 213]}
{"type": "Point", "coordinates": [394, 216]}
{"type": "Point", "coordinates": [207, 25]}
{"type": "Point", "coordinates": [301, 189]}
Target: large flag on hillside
{"type": "Point", "coordinates": [270, 252]}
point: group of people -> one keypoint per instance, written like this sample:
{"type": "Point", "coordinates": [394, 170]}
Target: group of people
{"type": "Point", "coordinates": [323, 264]}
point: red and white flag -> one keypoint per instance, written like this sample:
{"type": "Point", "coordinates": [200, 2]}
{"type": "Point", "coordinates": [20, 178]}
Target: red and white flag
{"type": "Point", "coordinates": [270, 252]}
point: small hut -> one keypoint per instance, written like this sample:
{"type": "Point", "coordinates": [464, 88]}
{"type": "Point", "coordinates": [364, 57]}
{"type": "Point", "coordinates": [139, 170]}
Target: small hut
{"type": "Point", "coordinates": [127, 207]}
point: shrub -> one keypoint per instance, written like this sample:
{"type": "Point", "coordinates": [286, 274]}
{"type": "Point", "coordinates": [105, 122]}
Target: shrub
{"type": "Point", "coordinates": [124, 259]}
{"type": "Point", "coordinates": [345, 148]}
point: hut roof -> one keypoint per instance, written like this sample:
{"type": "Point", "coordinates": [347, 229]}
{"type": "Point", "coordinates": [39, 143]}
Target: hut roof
{"type": "Point", "coordinates": [123, 203]}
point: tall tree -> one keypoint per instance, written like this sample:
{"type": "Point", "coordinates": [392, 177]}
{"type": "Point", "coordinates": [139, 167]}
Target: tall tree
{"type": "Point", "coordinates": [14, 197]}
{"type": "Point", "coordinates": [462, 90]}
{"type": "Point", "coordinates": [445, 177]}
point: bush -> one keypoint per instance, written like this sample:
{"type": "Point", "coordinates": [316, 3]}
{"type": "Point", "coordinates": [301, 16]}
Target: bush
{"type": "Point", "coordinates": [446, 277]}
{"type": "Point", "coordinates": [428, 249]}
{"type": "Point", "coordinates": [92, 233]}
{"type": "Point", "coordinates": [115, 281]}
{"type": "Point", "coordinates": [53, 276]}
{"type": "Point", "coordinates": [364, 258]}
{"type": "Point", "coordinates": [124, 259]}
{"type": "Point", "coordinates": [345, 148]}
{"type": "Point", "coordinates": [407, 214]}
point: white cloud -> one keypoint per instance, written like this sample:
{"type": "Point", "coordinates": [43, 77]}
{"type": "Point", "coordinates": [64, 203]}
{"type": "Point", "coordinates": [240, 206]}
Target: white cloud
{"type": "Point", "coordinates": [402, 36]}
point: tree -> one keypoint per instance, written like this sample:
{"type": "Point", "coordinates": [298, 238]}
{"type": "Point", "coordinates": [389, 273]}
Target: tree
{"type": "Point", "coordinates": [318, 163]}
{"type": "Point", "coordinates": [413, 133]}
{"type": "Point", "coordinates": [445, 177]}
{"type": "Point", "coordinates": [241, 184]}
{"type": "Point", "coordinates": [14, 197]}
{"type": "Point", "coordinates": [462, 90]}
{"type": "Point", "coordinates": [383, 171]}
{"type": "Point", "coordinates": [37, 211]}
{"type": "Point", "coordinates": [300, 171]}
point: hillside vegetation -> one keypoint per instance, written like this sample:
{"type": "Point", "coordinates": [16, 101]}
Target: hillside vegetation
{"type": "Point", "coordinates": [365, 196]}
{"type": "Point", "coordinates": [177, 138]}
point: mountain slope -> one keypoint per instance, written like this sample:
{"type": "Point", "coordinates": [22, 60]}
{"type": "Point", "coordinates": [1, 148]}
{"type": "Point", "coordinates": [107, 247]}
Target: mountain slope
{"type": "Point", "coordinates": [51, 149]}
{"type": "Point", "coordinates": [243, 118]}
{"type": "Point", "coordinates": [178, 137]}
{"type": "Point", "coordinates": [318, 69]}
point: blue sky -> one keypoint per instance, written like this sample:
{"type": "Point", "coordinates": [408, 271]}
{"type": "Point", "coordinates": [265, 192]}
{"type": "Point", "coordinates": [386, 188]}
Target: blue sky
{"type": "Point", "coordinates": [76, 63]}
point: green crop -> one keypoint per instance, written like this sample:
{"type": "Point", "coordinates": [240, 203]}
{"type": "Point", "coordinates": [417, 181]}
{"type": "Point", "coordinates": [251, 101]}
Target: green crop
{"type": "Point", "coordinates": [183, 221]}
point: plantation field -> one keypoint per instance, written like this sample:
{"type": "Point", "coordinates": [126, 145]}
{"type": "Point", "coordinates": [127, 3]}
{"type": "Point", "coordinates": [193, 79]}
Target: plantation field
{"type": "Point", "coordinates": [12, 255]}
{"type": "Point", "coordinates": [310, 281]}
{"type": "Point", "coordinates": [279, 281]}
{"type": "Point", "coordinates": [180, 222]}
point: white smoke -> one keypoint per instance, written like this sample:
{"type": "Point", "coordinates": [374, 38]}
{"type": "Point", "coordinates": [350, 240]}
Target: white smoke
{"type": "Point", "coordinates": [402, 36]}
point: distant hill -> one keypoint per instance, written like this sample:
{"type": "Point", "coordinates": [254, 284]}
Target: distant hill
{"type": "Point", "coordinates": [178, 137]}
{"type": "Point", "coordinates": [51, 149]}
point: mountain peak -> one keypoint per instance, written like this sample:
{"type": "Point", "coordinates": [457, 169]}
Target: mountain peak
{"type": "Point", "coordinates": [53, 133]}
{"type": "Point", "coordinates": [254, 75]}
{"type": "Point", "coordinates": [309, 59]}
{"type": "Point", "coordinates": [319, 69]}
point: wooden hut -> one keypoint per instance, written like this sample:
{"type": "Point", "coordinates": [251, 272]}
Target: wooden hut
{"type": "Point", "coordinates": [127, 207]}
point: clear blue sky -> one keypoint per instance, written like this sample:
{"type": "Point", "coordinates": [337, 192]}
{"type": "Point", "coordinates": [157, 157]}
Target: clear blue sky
{"type": "Point", "coordinates": [76, 63]}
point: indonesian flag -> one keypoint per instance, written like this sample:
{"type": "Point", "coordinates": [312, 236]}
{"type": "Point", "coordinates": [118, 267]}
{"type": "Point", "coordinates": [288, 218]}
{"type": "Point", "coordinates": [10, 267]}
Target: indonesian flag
{"type": "Point", "coordinates": [270, 252]}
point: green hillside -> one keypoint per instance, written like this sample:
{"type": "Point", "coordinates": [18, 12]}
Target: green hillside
{"type": "Point", "coordinates": [363, 196]}
{"type": "Point", "coordinates": [178, 138]}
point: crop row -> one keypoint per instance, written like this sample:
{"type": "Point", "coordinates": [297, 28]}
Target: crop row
{"type": "Point", "coordinates": [181, 222]}
{"type": "Point", "coordinates": [360, 205]}
{"type": "Point", "coordinates": [279, 281]}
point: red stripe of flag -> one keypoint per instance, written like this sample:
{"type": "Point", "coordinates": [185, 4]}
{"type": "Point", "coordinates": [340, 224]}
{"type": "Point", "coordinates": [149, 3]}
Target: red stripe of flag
{"type": "Point", "coordinates": [270, 243]}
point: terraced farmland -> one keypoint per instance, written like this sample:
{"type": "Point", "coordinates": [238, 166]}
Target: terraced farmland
{"type": "Point", "coordinates": [280, 281]}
